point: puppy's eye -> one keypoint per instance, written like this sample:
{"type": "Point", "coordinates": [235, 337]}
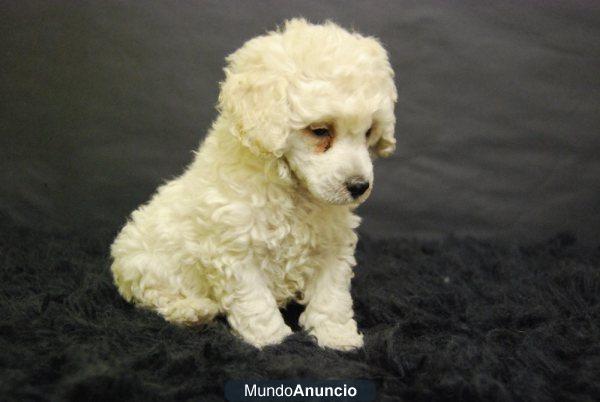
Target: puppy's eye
{"type": "Point", "coordinates": [368, 133]}
{"type": "Point", "coordinates": [321, 132]}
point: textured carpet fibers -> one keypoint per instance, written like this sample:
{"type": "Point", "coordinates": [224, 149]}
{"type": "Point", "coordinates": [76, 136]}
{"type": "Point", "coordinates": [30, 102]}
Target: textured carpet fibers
{"type": "Point", "coordinates": [451, 320]}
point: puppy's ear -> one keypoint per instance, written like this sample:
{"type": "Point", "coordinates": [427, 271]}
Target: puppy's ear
{"type": "Point", "coordinates": [255, 101]}
{"type": "Point", "coordinates": [384, 118]}
{"type": "Point", "coordinates": [387, 143]}
{"type": "Point", "coordinates": [386, 121]}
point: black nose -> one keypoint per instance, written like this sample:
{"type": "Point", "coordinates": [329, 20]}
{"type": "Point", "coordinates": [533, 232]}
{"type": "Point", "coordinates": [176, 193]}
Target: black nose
{"type": "Point", "coordinates": [357, 187]}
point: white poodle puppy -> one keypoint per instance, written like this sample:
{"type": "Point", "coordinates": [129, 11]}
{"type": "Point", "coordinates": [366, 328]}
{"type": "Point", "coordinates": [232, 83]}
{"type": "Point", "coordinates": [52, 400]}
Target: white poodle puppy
{"type": "Point", "coordinates": [264, 214]}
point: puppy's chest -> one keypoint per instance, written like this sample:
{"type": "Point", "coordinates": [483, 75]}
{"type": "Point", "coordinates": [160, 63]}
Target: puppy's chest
{"type": "Point", "coordinates": [288, 237]}
{"type": "Point", "coordinates": [294, 249]}
{"type": "Point", "coordinates": [299, 237]}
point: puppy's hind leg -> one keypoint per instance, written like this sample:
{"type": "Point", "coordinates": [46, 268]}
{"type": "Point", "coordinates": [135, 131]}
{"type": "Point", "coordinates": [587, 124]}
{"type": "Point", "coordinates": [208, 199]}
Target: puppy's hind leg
{"type": "Point", "coordinates": [181, 309]}
{"type": "Point", "coordinates": [155, 282]}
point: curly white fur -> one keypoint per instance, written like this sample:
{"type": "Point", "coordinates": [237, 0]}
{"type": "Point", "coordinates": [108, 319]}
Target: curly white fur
{"type": "Point", "coordinates": [263, 214]}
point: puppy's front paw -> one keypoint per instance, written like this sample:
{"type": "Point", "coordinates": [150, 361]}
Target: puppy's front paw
{"type": "Point", "coordinates": [260, 339]}
{"type": "Point", "coordinates": [276, 338]}
{"type": "Point", "coordinates": [337, 336]}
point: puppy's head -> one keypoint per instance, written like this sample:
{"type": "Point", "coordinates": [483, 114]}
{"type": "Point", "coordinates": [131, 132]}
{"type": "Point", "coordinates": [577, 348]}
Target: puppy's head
{"type": "Point", "coordinates": [318, 97]}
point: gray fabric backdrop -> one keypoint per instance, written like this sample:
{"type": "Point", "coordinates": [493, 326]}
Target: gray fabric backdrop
{"type": "Point", "coordinates": [498, 116]}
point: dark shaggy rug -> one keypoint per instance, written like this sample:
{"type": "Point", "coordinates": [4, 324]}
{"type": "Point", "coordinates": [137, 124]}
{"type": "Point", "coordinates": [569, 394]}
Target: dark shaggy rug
{"type": "Point", "coordinates": [460, 319]}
